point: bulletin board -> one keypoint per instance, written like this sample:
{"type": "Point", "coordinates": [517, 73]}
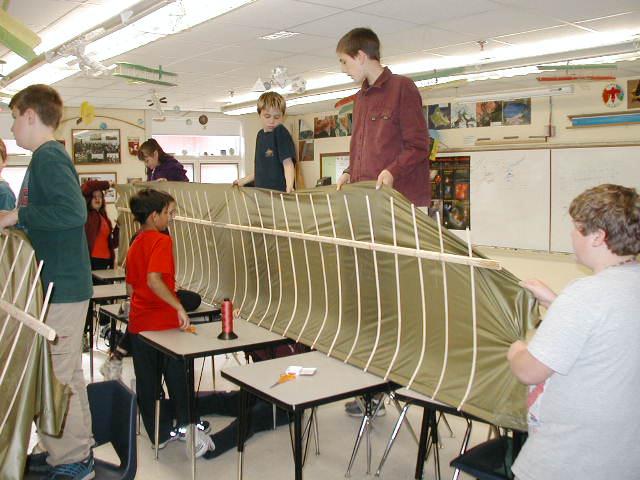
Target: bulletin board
{"type": "Point", "coordinates": [333, 164]}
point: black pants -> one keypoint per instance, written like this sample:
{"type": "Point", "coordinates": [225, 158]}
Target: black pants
{"type": "Point", "coordinates": [146, 362]}
{"type": "Point", "coordinates": [101, 264]}
{"type": "Point", "coordinates": [227, 404]}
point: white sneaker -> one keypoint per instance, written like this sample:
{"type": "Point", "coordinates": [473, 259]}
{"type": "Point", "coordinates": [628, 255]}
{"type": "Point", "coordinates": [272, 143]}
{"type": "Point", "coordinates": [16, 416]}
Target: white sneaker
{"type": "Point", "coordinates": [111, 369]}
{"type": "Point", "coordinates": [204, 444]}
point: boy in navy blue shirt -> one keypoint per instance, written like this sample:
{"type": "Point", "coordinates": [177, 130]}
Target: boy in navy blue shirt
{"type": "Point", "coordinates": [275, 157]}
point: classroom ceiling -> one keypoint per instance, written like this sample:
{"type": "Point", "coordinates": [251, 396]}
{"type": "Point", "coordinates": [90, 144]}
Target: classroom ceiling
{"type": "Point", "coordinates": [227, 55]}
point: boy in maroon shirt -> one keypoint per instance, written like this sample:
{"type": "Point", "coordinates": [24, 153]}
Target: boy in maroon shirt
{"type": "Point", "coordinates": [390, 140]}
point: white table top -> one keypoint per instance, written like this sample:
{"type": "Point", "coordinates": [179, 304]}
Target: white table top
{"type": "Point", "coordinates": [109, 292]}
{"type": "Point", "coordinates": [113, 274]}
{"type": "Point", "coordinates": [205, 342]}
{"type": "Point", "coordinates": [333, 380]}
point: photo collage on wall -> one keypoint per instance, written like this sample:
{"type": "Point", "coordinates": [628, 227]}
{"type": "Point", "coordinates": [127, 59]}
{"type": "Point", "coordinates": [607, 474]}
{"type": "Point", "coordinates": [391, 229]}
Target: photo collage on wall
{"type": "Point", "coordinates": [444, 116]}
{"type": "Point", "coordinates": [450, 191]}
{"type": "Point", "coordinates": [323, 127]}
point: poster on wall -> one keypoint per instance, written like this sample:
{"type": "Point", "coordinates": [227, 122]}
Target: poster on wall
{"type": "Point", "coordinates": [95, 146]}
{"type": "Point", "coordinates": [133, 143]}
{"type": "Point", "coordinates": [517, 112]}
{"type": "Point", "coordinates": [439, 116]}
{"type": "Point", "coordinates": [110, 195]}
{"type": "Point", "coordinates": [633, 93]}
{"type": "Point", "coordinates": [304, 130]}
{"type": "Point", "coordinates": [489, 114]}
{"type": "Point", "coordinates": [343, 129]}
{"type": "Point", "coordinates": [325, 127]}
{"type": "Point", "coordinates": [463, 115]}
{"type": "Point", "coordinates": [305, 150]}
{"type": "Point", "coordinates": [451, 191]}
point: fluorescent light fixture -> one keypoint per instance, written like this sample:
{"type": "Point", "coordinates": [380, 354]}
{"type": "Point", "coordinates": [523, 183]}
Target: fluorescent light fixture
{"type": "Point", "coordinates": [540, 92]}
{"type": "Point", "coordinates": [243, 109]}
{"type": "Point", "coordinates": [279, 35]}
{"type": "Point", "coordinates": [167, 20]}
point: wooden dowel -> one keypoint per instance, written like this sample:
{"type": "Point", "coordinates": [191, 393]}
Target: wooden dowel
{"type": "Point", "coordinates": [13, 267]}
{"type": "Point", "coordinates": [306, 259]}
{"type": "Point", "coordinates": [398, 300]}
{"type": "Point", "coordinates": [339, 274]}
{"type": "Point", "coordinates": [446, 312]}
{"type": "Point", "coordinates": [378, 300]}
{"type": "Point", "coordinates": [199, 255]}
{"type": "Point", "coordinates": [244, 253]}
{"type": "Point", "coordinates": [324, 275]}
{"type": "Point", "coordinates": [204, 233]}
{"type": "Point", "coordinates": [422, 298]}
{"type": "Point", "coordinates": [255, 255]}
{"type": "Point", "coordinates": [357, 272]}
{"type": "Point", "coordinates": [293, 269]}
{"type": "Point", "coordinates": [275, 316]}
{"type": "Point", "coordinates": [215, 251]}
{"type": "Point", "coordinates": [17, 291]}
{"type": "Point", "coordinates": [28, 320]}
{"type": "Point", "coordinates": [233, 251]}
{"type": "Point", "coordinates": [266, 259]}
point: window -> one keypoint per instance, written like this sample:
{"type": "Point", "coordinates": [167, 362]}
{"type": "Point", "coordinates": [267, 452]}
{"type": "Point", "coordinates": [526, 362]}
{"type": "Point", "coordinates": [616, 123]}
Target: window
{"type": "Point", "coordinates": [218, 172]}
{"type": "Point", "coordinates": [14, 177]}
{"type": "Point", "coordinates": [197, 145]}
{"type": "Point", "coordinates": [189, 168]}
{"type": "Point", "coordinates": [13, 148]}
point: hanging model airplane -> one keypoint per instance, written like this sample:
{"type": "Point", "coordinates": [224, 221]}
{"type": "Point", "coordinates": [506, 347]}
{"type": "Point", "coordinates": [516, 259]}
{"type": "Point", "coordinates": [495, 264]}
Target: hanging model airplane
{"type": "Point", "coordinates": [141, 74]}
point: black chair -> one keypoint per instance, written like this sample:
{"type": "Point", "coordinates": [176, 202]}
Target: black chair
{"type": "Point", "coordinates": [114, 413]}
{"type": "Point", "coordinates": [490, 460]}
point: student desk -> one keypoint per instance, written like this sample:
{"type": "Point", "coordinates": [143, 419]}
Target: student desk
{"type": "Point", "coordinates": [111, 275]}
{"type": "Point", "coordinates": [102, 294]}
{"type": "Point", "coordinates": [113, 313]}
{"type": "Point", "coordinates": [334, 380]}
{"type": "Point", "coordinates": [187, 347]}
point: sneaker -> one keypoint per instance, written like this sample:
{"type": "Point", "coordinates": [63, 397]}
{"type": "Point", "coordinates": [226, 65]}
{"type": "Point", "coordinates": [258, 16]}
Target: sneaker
{"type": "Point", "coordinates": [73, 471]}
{"type": "Point", "coordinates": [181, 432]}
{"type": "Point", "coordinates": [37, 463]}
{"type": "Point", "coordinates": [111, 369]}
{"type": "Point", "coordinates": [204, 444]}
{"type": "Point", "coordinates": [354, 410]}
{"type": "Point", "coordinates": [166, 442]}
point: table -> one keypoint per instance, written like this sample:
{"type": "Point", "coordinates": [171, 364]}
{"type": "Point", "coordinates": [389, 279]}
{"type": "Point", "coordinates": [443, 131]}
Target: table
{"type": "Point", "coordinates": [205, 342]}
{"type": "Point", "coordinates": [114, 313]}
{"type": "Point", "coordinates": [333, 381]}
{"type": "Point", "coordinates": [111, 275]}
{"type": "Point", "coordinates": [102, 294]}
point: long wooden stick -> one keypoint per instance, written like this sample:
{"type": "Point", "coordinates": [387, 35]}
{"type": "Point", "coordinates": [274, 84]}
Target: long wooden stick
{"type": "Point", "coordinates": [4, 244]}
{"type": "Point", "coordinates": [306, 259]}
{"type": "Point", "coordinates": [204, 233]}
{"type": "Point", "coordinates": [233, 252]}
{"type": "Point", "coordinates": [358, 299]}
{"type": "Point", "coordinates": [266, 259]}
{"type": "Point", "coordinates": [183, 244]}
{"type": "Point", "coordinates": [13, 267]}
{"type": "Point", "coordinates": [197, 289]}
{"type": "Point", "coordinates": [339, 272]}
{"type": "Point", "coordinates": [28, 320]}
{"type": "Point", "coordinates": [215, 251]}
{"type": "Point", "coordinates": [189, 261]}
{"type": "Point", "coordinates": [23, 277]}
{"type": "Point", "coordinates": [446, 312]}
{"type": "Point", "coordinates": [255, 255]}
{"type": "Point", "coordinates": [422, 298]}
{"type": "Point", "coordinates": [474, 326]}
{"type": "Point", "coordinates": [324, 275]}
{"type": "Point", "coordinates": [280, 280]}
{"type": "Point", "coordinates": [378, 300]}
{"type": "Point", "coordinates": [244, 252]}
{"type": "Point", "coordinates": [293, 269]}
{"type": "Point", "coordinates": [398, 300]}
{"type": "Point", "coordinates": [371, 246]}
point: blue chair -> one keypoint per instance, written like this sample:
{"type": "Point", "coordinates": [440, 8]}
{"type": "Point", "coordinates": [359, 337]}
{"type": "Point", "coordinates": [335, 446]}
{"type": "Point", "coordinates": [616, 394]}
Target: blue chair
{"type": "Point", "coordinates": [490, 460]}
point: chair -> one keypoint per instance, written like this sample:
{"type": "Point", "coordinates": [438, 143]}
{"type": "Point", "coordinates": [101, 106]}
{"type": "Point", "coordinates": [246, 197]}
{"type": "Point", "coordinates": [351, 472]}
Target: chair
{"type": "Point", "coordinates": [113, 413]}
{"type": "Point", "coordinates": [490, 460]}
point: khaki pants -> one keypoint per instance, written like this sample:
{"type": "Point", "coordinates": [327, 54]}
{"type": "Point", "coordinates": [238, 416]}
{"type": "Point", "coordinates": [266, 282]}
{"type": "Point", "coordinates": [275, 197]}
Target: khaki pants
{"type": "Point", "coordinates": [74, 443]}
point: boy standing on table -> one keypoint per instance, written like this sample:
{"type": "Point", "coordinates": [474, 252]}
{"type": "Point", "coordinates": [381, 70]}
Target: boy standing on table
{"type": "Point", "coordinates": [390, 140]}
{"type": "Point", "coordinates": [275, 155]}
{"type": "Point", "coordinates": [155, 306]}
{"type": "Point", "coordinates": [583, 364]}
{"type": "Point", "coordinates": [52, 211]}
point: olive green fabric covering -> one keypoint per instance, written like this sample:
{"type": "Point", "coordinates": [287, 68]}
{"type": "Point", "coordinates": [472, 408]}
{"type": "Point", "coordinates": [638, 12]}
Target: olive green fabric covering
{"type": "Point", "coordinates": [28, 387]}
{"type": "Point", "coordinates": [310, 291]}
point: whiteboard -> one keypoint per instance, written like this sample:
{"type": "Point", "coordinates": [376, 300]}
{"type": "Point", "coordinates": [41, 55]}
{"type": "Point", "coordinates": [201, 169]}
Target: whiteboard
{"type": "Point", "coordinates": [510, 198]}
{"type": "Point", "coordinates": [573, 170]}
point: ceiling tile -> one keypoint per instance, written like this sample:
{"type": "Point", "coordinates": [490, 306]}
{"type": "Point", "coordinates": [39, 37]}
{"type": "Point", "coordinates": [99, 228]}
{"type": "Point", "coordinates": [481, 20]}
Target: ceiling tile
{"type": "Point", "coordinates": [627, 21]}
{"type": "Point", "coordinates": [337, 25]}
{"type": "Point", "coordinates": [343, 4]}
{"type": "Point", "coordinates": [277, 14]}
{"type": "Point", "coordinates": [501, 22]}
{"type": "Point", "coordinates": [555, 33]}
{"type": "Point", "coordinates": [428, 12]}
{"type": "Point", "coordinates": [574, 10]}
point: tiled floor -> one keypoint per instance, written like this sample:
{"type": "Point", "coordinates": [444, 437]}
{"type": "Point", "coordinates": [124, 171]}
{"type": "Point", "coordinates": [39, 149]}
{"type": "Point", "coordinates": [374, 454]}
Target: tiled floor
{"type": "Point", "coordinates": [268, 454]}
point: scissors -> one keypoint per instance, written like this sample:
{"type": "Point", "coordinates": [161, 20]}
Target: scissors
{"type": "Point", "coordinates": [284, 377]}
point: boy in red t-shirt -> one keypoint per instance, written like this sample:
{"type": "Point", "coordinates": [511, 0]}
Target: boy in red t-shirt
{"type": "Point", "coordinates": [155, 306]}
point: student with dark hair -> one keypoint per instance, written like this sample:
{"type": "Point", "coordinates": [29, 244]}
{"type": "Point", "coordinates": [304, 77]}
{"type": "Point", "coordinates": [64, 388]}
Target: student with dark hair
{"type": "Point", "coordinates": [53, 213]}
{"type": "Point", "coordinates": [160, 165]}
{"type": "Point", "coordinates": [102, 238]}
{"type": "Point", "coordinates": [7, 198]}
{"type": "Point", "coordinates": [389, 142]}
{"type": "Point", "coordinates": [154, 306]}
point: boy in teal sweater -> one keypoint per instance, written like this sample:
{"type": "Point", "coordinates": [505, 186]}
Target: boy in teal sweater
{"type": "Point", "coordinates": [52, 211]}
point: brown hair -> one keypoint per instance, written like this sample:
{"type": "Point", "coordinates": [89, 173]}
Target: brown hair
{"type": "Point", "coordinates": [272, 100]}
{"type": "Point", "coordinates": [150, 146]}
{"type": "Point", "coordinates": [357, 39]}
{"type": "Point", "coordinates": [43, 99]}
{"type": "Point", "coordinates": [3, 151]}
{"type": "Point", "coordinates": [615, 210]}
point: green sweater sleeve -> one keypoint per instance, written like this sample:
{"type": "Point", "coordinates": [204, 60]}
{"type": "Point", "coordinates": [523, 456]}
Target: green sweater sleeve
{"type": "Point", "coordinates": [55, 201]}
